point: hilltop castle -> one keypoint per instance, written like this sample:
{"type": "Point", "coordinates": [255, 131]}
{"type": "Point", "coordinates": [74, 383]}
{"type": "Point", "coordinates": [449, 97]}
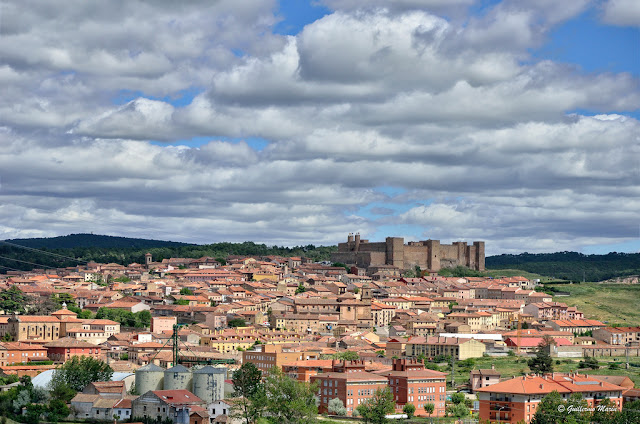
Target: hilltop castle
{"type": "Point", "coordinates": [428, 254]}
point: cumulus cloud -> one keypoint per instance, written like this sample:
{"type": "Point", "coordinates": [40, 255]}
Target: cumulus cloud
{"type": "Point", "coordinates": [477, 139]}
{"type": "Point", "coordinates": [621, 12]}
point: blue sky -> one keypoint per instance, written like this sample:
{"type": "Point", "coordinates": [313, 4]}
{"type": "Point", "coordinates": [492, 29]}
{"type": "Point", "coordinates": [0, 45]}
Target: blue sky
{"type": "Point", "coordinates": [301, 121]}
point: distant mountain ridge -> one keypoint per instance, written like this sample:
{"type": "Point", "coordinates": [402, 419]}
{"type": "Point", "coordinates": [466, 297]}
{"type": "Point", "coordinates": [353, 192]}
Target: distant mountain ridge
{"type": "Point", "coordinates": [73, 241]}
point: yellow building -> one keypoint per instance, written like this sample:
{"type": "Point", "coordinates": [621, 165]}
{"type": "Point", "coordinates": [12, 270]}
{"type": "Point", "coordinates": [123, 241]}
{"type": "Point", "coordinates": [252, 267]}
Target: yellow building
{"type": "Point", "coordinates": [431, 347]}
{"type": "Point", "coordinates": [34, 328]}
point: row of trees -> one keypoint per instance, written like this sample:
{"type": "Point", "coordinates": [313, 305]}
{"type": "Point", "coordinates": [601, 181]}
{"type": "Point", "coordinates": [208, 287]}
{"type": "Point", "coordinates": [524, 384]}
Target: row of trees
{"type": "Point", "coordinates": [553, 409]}
{"type": "Point", "coordinates": [140, 319]}
{"type": "Point", "coordinates": [571, 266]}
{"type": "Point", "coordinates": [278, 399]}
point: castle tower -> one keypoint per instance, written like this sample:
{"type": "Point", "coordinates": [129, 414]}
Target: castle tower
{"type": "Point", "coordinates": [479, 245]}
{"type": "Point", "coordinates": [433, 260]}
{"type": "Point", "coordinates": [395, 251]}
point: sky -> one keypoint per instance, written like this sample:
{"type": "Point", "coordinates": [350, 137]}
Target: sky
{"type": "Point", "coordinates": [297, 122]}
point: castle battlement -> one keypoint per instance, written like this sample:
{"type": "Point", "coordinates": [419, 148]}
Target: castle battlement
{"type": "Point", "coordinates": [427, 254]}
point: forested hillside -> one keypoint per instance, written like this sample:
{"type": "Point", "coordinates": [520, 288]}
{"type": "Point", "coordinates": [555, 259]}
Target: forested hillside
{"type": "Point", "coordinates": [570, 265]}
{"type": "Point", "coordinates": [92, 240]}
{"type": "Point", "coordinates": [18, 258]}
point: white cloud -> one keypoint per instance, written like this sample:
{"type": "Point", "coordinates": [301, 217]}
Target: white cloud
{"type": "Point", "coordinates": [481, 140]}
{"type": "Point", "coordinates": [622, 12]}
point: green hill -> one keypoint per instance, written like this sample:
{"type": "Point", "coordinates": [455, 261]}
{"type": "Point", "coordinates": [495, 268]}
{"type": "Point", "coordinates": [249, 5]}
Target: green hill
{"type": "Point", "coordinates": [570, 266]}
{"type": "Point", "coordinates": [77, 249]}
{"type": "Point", "coordinates": [92, 240]}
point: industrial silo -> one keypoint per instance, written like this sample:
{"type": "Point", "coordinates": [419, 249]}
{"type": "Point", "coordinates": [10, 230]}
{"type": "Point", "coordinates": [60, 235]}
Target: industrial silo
{"type": "Point", "coordinates": [208, 383]}
{"type": "Point", "coordinates": [177, 377]}
{"type": "Point", "coordinates": [148, 378]}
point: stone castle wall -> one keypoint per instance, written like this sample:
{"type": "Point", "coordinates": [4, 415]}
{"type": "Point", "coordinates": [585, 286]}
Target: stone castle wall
{"type": "Point", "coordinates": [428, 254]}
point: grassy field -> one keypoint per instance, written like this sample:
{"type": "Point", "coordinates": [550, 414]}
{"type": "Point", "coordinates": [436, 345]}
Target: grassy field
{"type": "Point", "coordinates": [513, 366]}
{"type": "Point", "coordinates": [612, 303]}
{"type": "Point", "coordinates": [495, 273]}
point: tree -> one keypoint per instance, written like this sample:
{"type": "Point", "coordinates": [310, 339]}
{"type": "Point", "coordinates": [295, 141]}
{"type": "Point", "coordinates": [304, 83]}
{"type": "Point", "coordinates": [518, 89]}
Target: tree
{"type": "Point", "coordinates": [409, 409]}
{"type": "Point", "coordinates": [236, 322]}
{"type": "Point", "coordinates": [126, 318]}
{"type": "Point", "coordinates": [142, 319]}
{"type": "Point", "coordinates": [79, 371]}
{"type": "Point", "coordinates": [56, 411]}
{"type": "Point", "coordinates": [375, 409]}
{"type": "Point", "coordinates": [547, 412]}
{"type": "Point", "coordinates": [457, 398]}
{"type": "Point", "coordinates": [23, 399]}
{"type": "Point", "coordinates": [579, 408]}
{"type": "Point", "coordinates": [182, 302]}
{"type": "Point", "coordinates": [34, 413]}
{"type": "Point", "coordinates": [43, 306]}
{"type": "Point", "coordinates": [66, 298]}
{"type": "Point", "coordinates": [458, 410]}
{"type": "Point", "coordinates": [542, 362]}
{"type": "Point", "coordinates": [347, 355]}
{"type": "Point", "coordinates": [13, 300]}
{"type": "Point", "coordinates": [589, 362]}
{"type": "Point", "coordinates": [301, 289]}
{"type": "Point", "coordinates": [186, 291]}
{"type": "Point", "coordinates": [336, 407]}
{"type": "Point", "coordinates": [85, 314]}
{"type": "Point", "coordinates": [289, 401]}
{"type": "Point", "coordinates": [60, 390]}
{"type": "Point", "coordinates": [630, 413]}
{"type": "Point", "coordinates": [606, 412]}
{"type": "Point", "coordinates": [248, 387]}
{"type": "Point", "coordinates": [429, 408]}
{"type": "Point", "coordinates": [122, 279]}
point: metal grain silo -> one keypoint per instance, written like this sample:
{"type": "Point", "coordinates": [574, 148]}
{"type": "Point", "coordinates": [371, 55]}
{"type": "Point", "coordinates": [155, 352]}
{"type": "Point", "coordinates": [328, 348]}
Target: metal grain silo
{"type": "Point", "coordinates": [208, 383]}
{"type": "Point", "coordinates": [177, 377]}
{"type": "Point", "coordinates": [148, 378]}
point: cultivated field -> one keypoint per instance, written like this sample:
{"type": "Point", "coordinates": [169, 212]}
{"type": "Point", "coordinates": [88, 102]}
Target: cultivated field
{"type": "Point", "coordinates": [610, 303]}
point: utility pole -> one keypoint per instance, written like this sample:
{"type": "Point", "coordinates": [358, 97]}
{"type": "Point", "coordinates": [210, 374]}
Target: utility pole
{"type": "Point", "coordinates": [626, 349]}
{"type": "Point", "coordinates": [175, 348]}
{"type": "Point", "coordinates": [453, 371]}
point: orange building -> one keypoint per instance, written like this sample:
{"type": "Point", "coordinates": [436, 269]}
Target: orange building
{"type": "Point", "coordinates": [12, 353]}
{"type": "Point", "coordinates": [349, 382]}
{"type": "Point", "coordinates": [63, 349]}
{"type": "Point", "coordinates": [270, 356]}
{"type": "Point", "coordinates": [517, 399]}
{"type": "Point", "coordinates": [410, 382]}
{"type": "Point", "coordinates": [304, 370]}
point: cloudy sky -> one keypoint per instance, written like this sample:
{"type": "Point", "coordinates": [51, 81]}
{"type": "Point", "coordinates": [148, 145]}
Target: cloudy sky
{"type": "Point", "coordinates": [293, 122]}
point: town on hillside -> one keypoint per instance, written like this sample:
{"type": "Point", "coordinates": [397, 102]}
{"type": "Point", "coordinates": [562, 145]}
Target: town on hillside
{"type": "Point", "coordinates": [180, 338]}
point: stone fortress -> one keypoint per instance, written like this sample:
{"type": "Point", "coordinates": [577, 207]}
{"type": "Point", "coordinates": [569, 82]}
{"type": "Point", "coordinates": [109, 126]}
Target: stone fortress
{"type": "Point", "coordinates": [428, 254]}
